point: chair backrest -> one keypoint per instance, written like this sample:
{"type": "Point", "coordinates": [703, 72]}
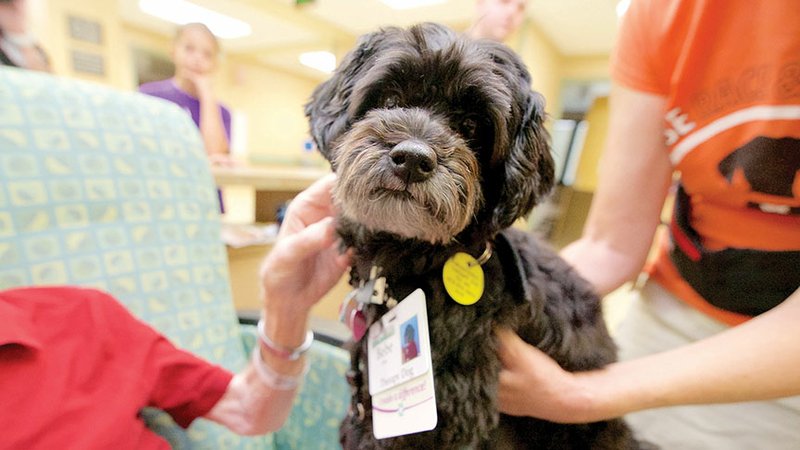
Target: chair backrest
{"type": "Point", "coordinates": [112, 190]}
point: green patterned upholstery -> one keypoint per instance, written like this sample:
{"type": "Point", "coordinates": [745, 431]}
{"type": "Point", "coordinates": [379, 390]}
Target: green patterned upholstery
{"type": "Point", "coordinates": [113, 190]}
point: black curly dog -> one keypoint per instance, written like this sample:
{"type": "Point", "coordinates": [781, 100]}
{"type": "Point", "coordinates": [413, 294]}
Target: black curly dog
{"type": "Point", "coordinates": [439, 147]}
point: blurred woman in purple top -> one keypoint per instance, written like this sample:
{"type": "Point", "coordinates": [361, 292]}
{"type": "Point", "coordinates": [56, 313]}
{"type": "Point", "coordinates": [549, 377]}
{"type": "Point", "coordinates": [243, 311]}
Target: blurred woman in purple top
{"type": "Point", "coordinates": [194, 54]}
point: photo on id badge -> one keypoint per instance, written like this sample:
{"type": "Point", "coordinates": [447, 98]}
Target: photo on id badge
{"type": "Point", "coordinates": [410, 339]}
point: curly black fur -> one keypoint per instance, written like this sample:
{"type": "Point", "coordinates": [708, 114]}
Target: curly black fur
{"type": "Point", "coordinates": [465, 111]}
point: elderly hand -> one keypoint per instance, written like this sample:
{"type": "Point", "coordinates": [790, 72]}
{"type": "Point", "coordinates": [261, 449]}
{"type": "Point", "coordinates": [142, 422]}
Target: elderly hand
{"type": "Point", "coordinates": [306, 261]}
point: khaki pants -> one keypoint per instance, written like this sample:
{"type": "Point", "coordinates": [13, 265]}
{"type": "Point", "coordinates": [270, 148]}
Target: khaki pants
{"type": "Point", "coordinates": [657, 321]}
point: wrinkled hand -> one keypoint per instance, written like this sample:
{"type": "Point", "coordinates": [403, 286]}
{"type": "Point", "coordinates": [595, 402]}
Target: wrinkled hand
{"type": "Point", "coordinates": [305, 262]}
{"type": "Point", "coordinates": [533, 384]}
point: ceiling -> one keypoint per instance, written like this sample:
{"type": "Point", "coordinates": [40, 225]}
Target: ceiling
{"type": "Point", "coordinates": [282, 30]}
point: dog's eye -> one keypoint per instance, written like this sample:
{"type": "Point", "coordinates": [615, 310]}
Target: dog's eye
{"type": "Point", "coordinates": [468, 128]}
{"type": "Point", "coordinates": [391, 101]}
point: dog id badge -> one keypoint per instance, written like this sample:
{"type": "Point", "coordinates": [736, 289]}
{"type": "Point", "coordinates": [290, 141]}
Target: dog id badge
{"type": "Point", "coordinates": [400, 374]}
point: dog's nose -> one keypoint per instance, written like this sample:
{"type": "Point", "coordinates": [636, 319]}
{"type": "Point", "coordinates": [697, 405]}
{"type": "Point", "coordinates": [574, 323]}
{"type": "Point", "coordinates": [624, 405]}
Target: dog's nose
{"type": "Point", "coordinates": [413, 161]}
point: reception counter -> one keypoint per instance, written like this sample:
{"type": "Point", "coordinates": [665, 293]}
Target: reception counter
{"type": "Point", "coordinates": [268, 178]}
{"type": "Point", "coordinates": [265, 188]}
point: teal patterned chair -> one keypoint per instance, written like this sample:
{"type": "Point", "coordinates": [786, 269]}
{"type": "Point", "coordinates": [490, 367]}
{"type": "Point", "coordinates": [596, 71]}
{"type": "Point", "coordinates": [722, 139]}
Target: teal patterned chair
{"type": "Point", "coordinates": [112, 190]}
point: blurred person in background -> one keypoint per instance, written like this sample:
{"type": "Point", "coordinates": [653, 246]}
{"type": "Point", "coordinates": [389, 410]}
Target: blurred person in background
{"type": "Point", "coordinates": [195, 52]}
{"type": "Point", "coordinates": [497, 20]}
{"type": "Point", "coordinates": [18, 46]}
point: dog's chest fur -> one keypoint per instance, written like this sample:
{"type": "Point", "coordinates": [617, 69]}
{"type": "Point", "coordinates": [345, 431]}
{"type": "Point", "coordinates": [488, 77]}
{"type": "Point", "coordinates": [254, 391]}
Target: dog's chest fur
{"type": "Point", "coordinates": [529, 290]}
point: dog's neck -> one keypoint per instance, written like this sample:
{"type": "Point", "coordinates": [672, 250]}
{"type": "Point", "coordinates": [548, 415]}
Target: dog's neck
{"type": "Point", "coordinates": [399, 257]}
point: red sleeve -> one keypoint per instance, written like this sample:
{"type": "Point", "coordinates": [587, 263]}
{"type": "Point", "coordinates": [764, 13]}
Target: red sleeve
{"type": "Point", "coordinates": [186, 386]}
{"type": "Point", "coordinates": [171, 379]}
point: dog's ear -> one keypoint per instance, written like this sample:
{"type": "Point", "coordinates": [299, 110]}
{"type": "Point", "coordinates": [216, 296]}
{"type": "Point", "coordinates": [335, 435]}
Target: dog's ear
{"type": "Point", "coordinates": [527, 167]}
{"type": "Point", "coordinates": [327, 110]}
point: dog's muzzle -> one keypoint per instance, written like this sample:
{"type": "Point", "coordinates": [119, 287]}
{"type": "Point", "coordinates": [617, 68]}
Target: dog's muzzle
{"type": "Point", "coordinates": [412, 161]}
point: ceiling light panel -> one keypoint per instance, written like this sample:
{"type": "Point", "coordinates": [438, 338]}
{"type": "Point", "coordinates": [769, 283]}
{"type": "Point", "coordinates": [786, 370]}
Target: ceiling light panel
{"type": "Point", "coordinates": [410, 4]}
{"type": "Point", "coordinates": [182, 12]}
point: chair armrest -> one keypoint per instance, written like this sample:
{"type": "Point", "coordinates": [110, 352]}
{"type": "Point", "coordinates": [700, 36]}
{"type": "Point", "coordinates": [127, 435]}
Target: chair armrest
{"type": "Point", "coordinates": [249, 337]}
{"type": "Point", "coordinates": [248, 316]}
{"type": "Point", "coordinates": [321, 403]}
{"type": "Point", "coordinates": [162, 424]}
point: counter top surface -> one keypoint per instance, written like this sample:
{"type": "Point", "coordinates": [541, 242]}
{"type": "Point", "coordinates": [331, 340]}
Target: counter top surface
{"type": "Point", "coordinates": [262, 177]}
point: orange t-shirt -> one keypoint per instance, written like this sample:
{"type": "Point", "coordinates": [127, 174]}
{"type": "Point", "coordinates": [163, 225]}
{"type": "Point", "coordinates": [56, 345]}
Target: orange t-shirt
{"type": "Point", "coordinates": [730, 71]}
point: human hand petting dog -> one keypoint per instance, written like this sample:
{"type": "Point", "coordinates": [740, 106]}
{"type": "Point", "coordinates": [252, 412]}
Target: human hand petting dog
{"type": "Point", "coordinates": [302, 266]}
{"type": "Point", "coordinates": [306, 261]}
{"type": "Point", "coordinates": [719, 369]}
{"type": "Point", "coordinates": [533, 384]}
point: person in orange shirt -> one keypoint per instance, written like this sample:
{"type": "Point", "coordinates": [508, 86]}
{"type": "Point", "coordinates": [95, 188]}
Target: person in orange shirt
{"type": "Point", "coordinates": [706, 103]}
